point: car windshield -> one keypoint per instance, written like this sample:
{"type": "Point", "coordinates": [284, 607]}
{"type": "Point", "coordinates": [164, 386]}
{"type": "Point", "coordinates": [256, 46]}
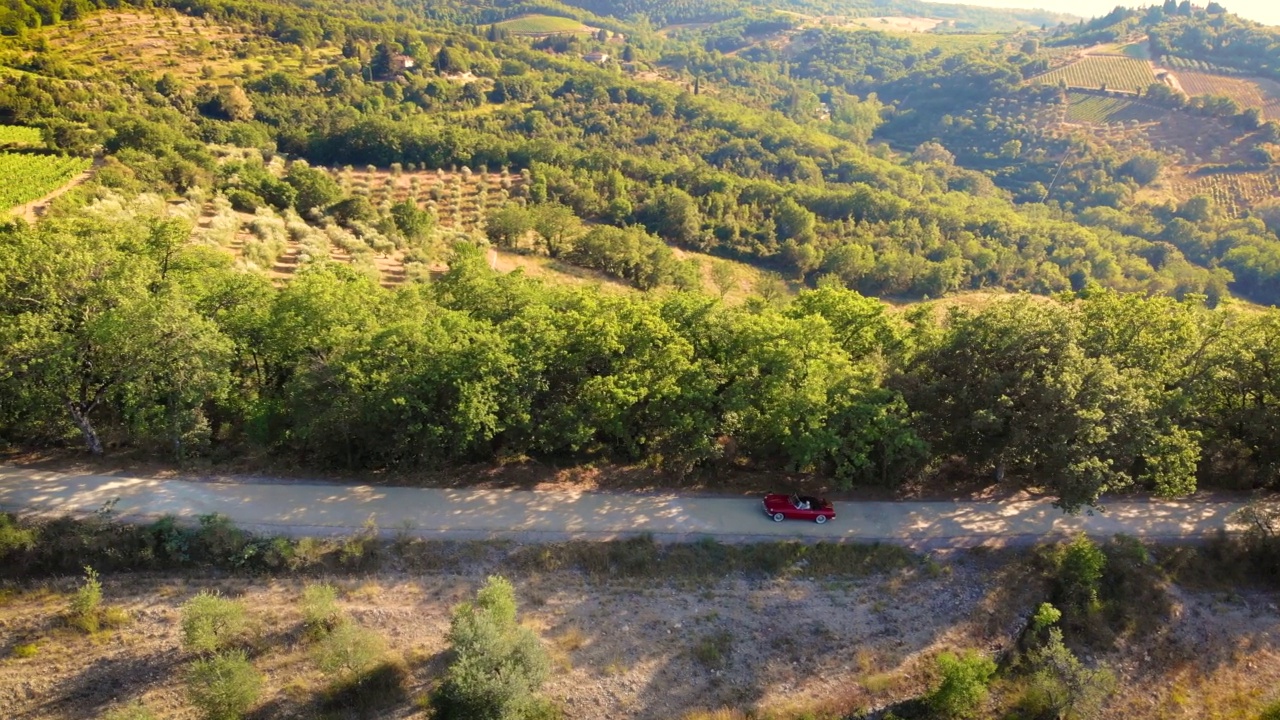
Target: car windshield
{"type": "Point", "coordinates": [799, 502]}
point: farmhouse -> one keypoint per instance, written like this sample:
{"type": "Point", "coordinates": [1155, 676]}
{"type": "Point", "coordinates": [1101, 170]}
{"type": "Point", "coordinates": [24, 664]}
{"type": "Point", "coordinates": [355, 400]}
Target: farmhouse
{"type": "Point", "coordinates": [597, 57]}
{"type": "Point", "coordinates": [401, 63]}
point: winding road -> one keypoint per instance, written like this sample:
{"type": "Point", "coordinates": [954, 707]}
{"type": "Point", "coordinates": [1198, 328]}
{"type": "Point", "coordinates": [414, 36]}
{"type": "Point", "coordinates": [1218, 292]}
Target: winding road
{"type": "Point", "coordinates": [533, 516]}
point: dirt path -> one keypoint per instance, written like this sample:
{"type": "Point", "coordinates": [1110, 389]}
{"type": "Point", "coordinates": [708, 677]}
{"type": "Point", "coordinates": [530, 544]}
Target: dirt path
{"type": "Point", "coordinates": [34, 210]}
{"type": "Point", "coordinates": [302, 509]}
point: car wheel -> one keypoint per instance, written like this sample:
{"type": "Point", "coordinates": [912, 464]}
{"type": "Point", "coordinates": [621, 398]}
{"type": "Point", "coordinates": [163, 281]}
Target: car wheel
{"type": "Point", "coordinates": [778, 517]}
{"type": "Point", "coordinates": [820, 519]}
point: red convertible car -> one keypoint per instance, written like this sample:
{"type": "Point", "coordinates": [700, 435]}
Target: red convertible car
{"type": "Point", "coordinates": [798, 507]}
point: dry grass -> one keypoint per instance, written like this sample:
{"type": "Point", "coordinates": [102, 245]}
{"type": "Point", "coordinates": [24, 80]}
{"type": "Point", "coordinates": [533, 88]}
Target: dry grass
{"type": "Point", "coordinates": [729, 649]}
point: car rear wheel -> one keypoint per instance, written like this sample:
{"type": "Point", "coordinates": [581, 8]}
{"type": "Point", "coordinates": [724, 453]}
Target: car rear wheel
{"type": "Point", "coordinates": [778, 517]}
{"type": "Point", "coordinates": [820, 519]}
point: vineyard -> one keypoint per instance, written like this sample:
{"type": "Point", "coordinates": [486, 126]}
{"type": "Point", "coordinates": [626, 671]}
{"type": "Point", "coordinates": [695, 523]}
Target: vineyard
{"type": "Point", "coordinates": [1233, 193]}
{"type": "Point", "coordinates": [1248, 92]}
{"type": "Point", "coordinates": [1112, 73]}
{"type": "Point", "coordinates": [14, 136]}
{"type": "Point", "coordinates": [1102, 110]}
{"type": "Point", "coordinates": [24, 178]}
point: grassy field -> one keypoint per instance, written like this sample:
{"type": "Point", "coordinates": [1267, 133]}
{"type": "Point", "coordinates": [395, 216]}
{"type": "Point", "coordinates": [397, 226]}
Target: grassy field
{"type": "Point", "coordinates": [18, 136]}
{"type": "Point", "coordinates": [1249, 92]}
{"type": "Point", "coordinates": [24, 177]}
{"type": "Point", "coordinates": [1113, 73]}
{"type": "Point", "coordinates": [542, 25]}
{"type": "Point", "coordinates": [1099, 110]}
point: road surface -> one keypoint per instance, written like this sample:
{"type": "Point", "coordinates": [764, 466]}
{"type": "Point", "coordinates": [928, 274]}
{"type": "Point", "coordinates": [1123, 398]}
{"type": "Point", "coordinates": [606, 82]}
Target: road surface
{"type": "Point", "coordinates": [324, 509]}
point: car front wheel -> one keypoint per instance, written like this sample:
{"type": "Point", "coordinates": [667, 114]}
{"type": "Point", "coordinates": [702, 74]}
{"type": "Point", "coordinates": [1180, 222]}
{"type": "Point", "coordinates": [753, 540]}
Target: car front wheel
{"type": "Point", "coordinates": [820, 519]}
{"type": "Point", "coordinates": [778, 517]}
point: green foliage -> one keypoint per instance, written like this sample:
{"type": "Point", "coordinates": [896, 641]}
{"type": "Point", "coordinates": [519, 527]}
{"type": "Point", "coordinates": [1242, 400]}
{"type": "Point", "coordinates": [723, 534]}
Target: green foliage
{"type": "Point", "coordinates": [1046, 616]}
{"type": "Point", "coordinates": [1270, 712]}
{"type": "Point", "coordinates": [1080, 567]}
{"type": "Point", "coordinates": [26, 650]}
{"type": "Point", "coordinates": [224, 686]}
{"type": "Point", "coordinates": [13, 537]}
{"type": "Point", "coordinates": [964, 684]}
{"type": "Point", "coordinates": [212, 624]}
{"type": "Point", "coordinates": [24, 177]}
{"type": "Point", "coordinates": [313, 188]}
{"type": "Point", "coordinates": [498, 665]}
{"type": "Point", "coordinates": [86, 604]}
{"type": "Point", "coordinates": [1064, 687]}
{"type": "Point", "coordinates": [349, 650]}
{"type": "Point", "coordinates": [320, 611]}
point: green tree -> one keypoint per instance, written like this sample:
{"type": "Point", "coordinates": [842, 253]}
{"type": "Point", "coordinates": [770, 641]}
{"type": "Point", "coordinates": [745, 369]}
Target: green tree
{"type": "Point", "coordinates": [557, 227]}
{"type": "Point", "coordinates": [314, 187]}
{"type": "Point", "coordinates": [673, 215]}
{"type": "Point", "coordinates": [415, 223]}
{"type": "Point", "coordinates": [1012, 388]}
{"type": "Point", "coordinates": [506, 226]}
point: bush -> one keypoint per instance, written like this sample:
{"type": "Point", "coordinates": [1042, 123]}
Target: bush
{"type": "Point", "coordinates": [224, 686]}
{"type": "Point", "coordinates": [1062, 685]}
{"type": "Point", "coordinates": [211, 623]}
{"type": "Point", "coordinates": [14, 538]}
{"type": "Point", "coordinates": [86, 604]}
{"type": "Point", "coordinates": [349, 650]}
{"type": "Point", "coordinates": [713, 650]}
{"type": "Point", "coordinates": [320, 612]}
{"type": "Point", "coordinates": [1080, 566]}
{"type": "Point", "coordinates": [498, 666]}
{"type": "Point", "coordinates": [964, 684]}
{"type": "Point", "coordinates": [1270, 712]}
{"type": "Point", "coordinates": [243, 200]}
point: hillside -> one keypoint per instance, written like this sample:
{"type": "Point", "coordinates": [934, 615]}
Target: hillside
{"type": "Point", "coordinates": [800, 162]}
{"type": "Point", "coordinates": [880, 247]}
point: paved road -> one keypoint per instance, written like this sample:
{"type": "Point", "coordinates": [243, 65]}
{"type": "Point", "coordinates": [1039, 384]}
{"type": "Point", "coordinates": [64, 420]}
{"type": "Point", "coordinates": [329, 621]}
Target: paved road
{"type": "Point", "coordinates": [300, 509]}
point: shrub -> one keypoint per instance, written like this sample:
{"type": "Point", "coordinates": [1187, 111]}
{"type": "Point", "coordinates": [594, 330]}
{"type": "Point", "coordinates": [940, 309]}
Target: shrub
{"type": "Point", "coordinates": [1270, 712]}
{"type": "Point", "coordinates": [1079, 570]}
{"type": "Point", "coordinates": [498, 666]}
{"type": "Point", "coordinates": [1063, 685]}
{"type": "Point", "coordinates": [224, 686]}
{"type": "Point", "coordinates": [320, 612]}
{"type": "Point", "coordinates": [349, 650]}
{"type": "Point", "coordinates": [26, 650]}
{"type": "Point", "coordinates": [243, 200]}
{"type": "Point", "coordinates": [14, 538]}
{"type": "Point", "coordinates": [86, 604]}
{"type": "Point", "coordinates": [713, 650]}
{"type": "Point", "coordinates": [211, 623]}
{"type": "Point", "coordinates": [964, 684]}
